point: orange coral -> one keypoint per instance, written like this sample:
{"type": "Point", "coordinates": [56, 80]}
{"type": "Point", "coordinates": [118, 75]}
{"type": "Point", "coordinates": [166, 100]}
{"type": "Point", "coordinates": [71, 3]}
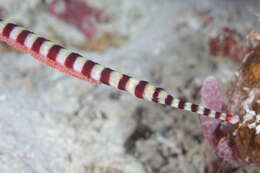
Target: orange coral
{"type": "Point", "coordinates": [244, 98]}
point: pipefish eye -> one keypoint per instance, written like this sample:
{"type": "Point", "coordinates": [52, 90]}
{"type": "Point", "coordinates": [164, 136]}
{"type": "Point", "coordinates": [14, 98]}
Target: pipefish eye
{"type": "Point", "coordinates": [244, 99]}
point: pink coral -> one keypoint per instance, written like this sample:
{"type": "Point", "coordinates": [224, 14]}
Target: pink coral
{"type": "Point", "coordinates": [215, 131]}
{"type": "Point", "coordinates": [80, 14]}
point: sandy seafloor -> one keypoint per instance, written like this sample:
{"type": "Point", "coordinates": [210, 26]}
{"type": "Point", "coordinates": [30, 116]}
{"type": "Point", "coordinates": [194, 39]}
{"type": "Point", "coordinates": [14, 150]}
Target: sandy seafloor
{"type": "Point", "coordinates": [53, 123]}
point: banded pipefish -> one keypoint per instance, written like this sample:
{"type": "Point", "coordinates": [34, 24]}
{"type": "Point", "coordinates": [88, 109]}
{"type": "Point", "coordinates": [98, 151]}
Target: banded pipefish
{"type": "Point", "coordinates": [84, 68]}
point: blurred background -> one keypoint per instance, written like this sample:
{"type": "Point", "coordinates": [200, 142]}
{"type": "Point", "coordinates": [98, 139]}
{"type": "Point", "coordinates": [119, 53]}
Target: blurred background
{"type": "Point", "coordinates": [52, 122]}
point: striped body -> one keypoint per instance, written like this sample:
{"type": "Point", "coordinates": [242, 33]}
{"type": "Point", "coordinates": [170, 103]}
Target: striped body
{"type": "Point", "coordinates": [86, 69]}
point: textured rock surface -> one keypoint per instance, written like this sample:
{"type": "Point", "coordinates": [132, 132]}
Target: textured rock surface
{"type": "Point", "coordinates": [51, 122]}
